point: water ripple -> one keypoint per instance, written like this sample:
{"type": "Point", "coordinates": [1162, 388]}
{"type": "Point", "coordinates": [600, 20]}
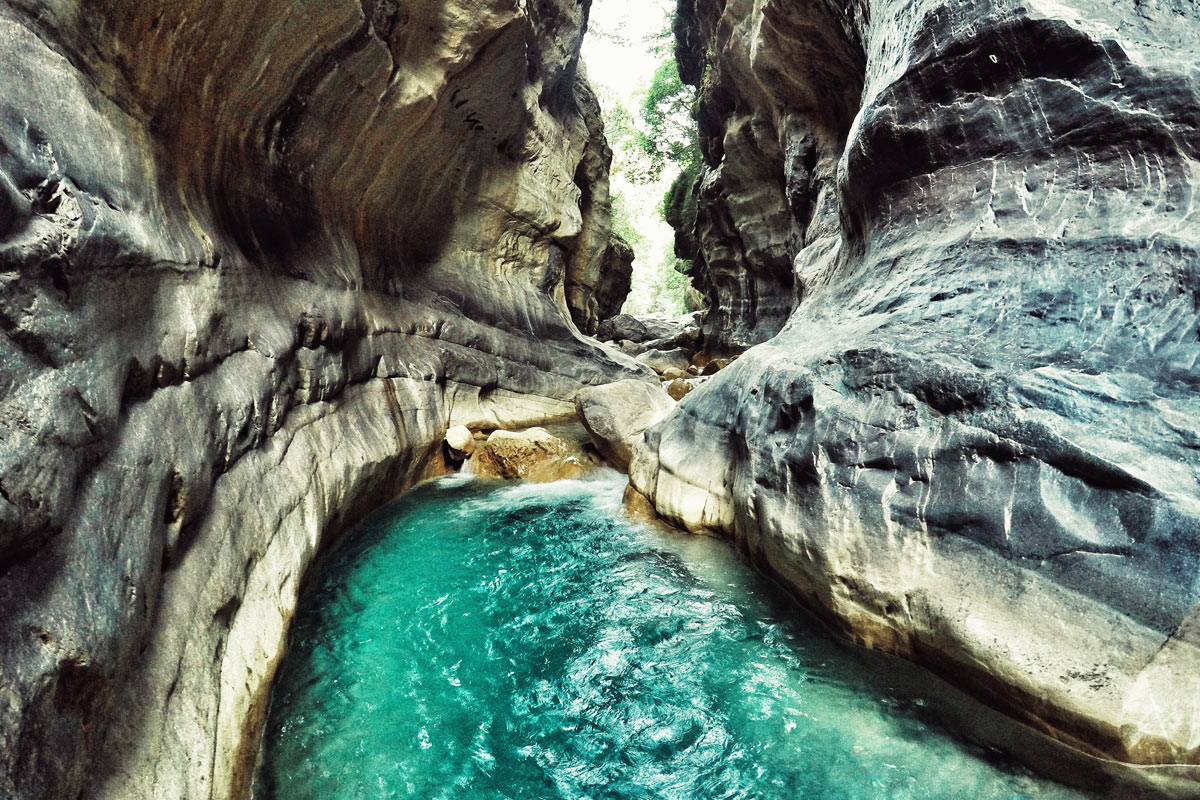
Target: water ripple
{"type": "Point", "coordinates": [482, 641]}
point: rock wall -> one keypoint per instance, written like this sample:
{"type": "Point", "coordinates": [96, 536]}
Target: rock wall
{"type": "Point", "coordinates": [255, 259]}
{"type": "Point", "coordinates": [778, 87]}
{"type": "Point", "coordinates": [975, 442]}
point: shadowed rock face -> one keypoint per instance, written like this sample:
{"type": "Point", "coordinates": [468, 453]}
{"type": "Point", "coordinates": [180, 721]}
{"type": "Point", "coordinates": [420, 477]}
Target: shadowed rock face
{"type": "Point", "coordinates": [255, 259]}
{"type": "Point", "coordinates": [976, 440]}
{"type": "Point", "coordinates": [772, 127]}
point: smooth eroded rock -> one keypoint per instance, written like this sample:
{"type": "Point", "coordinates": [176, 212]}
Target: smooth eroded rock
{"type": "Point", "coordinates": [461, 441]}
{"type": "Point", "coordinates": [973, 443]}
{"type": "Point", "coordinates": [662, 360]}
{"type": "Point", "coordinates": [255, 259]}
{"type": "Point", "coordinates": [615, 416]}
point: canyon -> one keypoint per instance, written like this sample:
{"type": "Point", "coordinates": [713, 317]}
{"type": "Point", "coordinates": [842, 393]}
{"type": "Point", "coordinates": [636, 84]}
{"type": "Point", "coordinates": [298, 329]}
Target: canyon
{"type": "Point", "coordinates": [256, 260]}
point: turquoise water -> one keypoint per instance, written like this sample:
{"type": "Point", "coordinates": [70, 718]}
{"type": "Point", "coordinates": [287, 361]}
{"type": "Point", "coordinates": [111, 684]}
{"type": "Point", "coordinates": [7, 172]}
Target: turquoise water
{"type": "Point", "coordinates": [483, 640]}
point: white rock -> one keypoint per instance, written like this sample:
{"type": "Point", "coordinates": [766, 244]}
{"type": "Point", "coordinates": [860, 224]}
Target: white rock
{"type": "Point", "coordinates": [617, 414]}
{"type": "Point", "coordinates": [460, 441]}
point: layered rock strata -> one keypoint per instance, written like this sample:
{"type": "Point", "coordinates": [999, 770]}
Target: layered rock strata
{"type": "Point", "coordinates": [256, 259]}
{"type": "Point", "coordinates": [975, 441]}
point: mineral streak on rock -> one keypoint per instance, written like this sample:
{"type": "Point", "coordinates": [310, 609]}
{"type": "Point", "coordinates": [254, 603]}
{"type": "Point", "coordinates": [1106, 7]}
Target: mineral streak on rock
{"type": "Point", "coordinates": [255, 259]}
{"type": "Point", "coordinates": [975, 441]}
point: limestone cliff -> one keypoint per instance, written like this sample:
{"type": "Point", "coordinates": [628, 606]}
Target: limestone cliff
{"type": "Point", "coordinates": [255, 258]}
{"type": "Point", "coordinates": [975, 441]}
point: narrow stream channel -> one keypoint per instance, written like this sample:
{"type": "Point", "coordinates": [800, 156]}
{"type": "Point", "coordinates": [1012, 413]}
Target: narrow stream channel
{"type": "Point", "coordinates": [483, 640]}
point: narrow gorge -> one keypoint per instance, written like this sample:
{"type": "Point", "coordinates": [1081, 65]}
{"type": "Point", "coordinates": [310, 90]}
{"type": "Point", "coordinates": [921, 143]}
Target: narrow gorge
{"type": "Point", "coordinates": [256, 260]}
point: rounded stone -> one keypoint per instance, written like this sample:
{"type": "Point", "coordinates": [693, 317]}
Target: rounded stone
{"type": "Point", "coordinates": [461, 441]}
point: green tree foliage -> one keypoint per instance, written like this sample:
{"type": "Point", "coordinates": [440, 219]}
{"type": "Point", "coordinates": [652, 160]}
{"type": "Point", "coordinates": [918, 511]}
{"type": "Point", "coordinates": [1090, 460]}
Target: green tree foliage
{"type": "Point", "coordinates": [654, 142]}
{"type": "Point", "coordinates": [662, 137]}
{"type": "Point", "coordinates": [678, 208]}
{"type": "Point", "coordinates": [667, 136]}
{"type": "Point", "coordinates": [664, 290]}
{"type": "Point", "coordinates": [673, 291]}
{"type": "Point", "coordinates": [622, 224]}
{"type": "Point", "coordinates": [629, 158]}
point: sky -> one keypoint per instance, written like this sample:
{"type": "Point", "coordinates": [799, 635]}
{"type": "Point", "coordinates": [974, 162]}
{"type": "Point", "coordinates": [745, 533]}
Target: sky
{"type": "Point", "coordinates": [626, 66]}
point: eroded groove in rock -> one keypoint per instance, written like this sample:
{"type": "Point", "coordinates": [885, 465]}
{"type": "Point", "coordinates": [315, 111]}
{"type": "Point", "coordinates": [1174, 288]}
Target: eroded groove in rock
{"type": "Point", "coordinates": [974, 441]}
{"type": "Point", "coordinates": [255, 259]}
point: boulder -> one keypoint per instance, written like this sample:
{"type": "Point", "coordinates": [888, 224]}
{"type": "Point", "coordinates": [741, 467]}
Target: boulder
{"type": "Point", "coordinates": [461, 442]}
{"type": "Point", "coordinates": [678, 388]}
{"type": "Point", "coordinates": [615, 416]}
{"type": "Point", "coordinates": [533, 454]}
{"type": "Point", "coordinates": [715, 365]}
{"type": "Point", "coordinates": [686, 338]}
{"type": "Point", "coordinates": [662, 360]}
{"type": "Point", "coordinates": [638, 506]}
{"type": "Point", "coordinates": [635, 329]}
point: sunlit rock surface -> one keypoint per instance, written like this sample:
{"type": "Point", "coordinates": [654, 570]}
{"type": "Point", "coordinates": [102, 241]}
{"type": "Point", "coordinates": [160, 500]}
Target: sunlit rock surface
{"type": "Point", "coordinates": [976, 441]}
{"type": "Point", "coordinates": [534, 454]}
{"type": "Point", "coordinates": [616, 415]}
{"type": "Point", "coordinates": [255, 259]}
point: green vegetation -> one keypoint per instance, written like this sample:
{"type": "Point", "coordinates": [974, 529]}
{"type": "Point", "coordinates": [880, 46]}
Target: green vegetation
{"type": "Point", "coordinates": [622, 224]}
{"type": "Point", "coordinates": [657, 146]}
{"type": "Point", "coordinates": [679, 203]}
{"type": "Point", "coordinates": [667, 139]}
{"type": "Point", "coordinates": [656, 160]}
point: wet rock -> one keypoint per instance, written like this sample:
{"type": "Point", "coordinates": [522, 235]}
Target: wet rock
{"type": "Point", "coordinates": [638, 506]}
{"type": "Point", "coordinates": [533, 455]}
{"type": "Point", "coordinates": [616, 415]}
